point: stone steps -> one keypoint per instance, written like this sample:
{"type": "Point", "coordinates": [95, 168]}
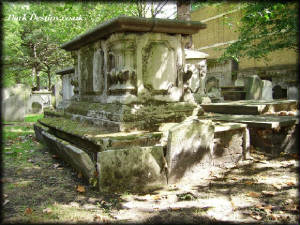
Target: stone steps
{"type": "Point", "coordinates": [92, 139]}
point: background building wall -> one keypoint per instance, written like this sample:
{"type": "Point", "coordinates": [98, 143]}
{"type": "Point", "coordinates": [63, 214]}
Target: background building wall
{"type": "Point", "coordinates": [219, 34]}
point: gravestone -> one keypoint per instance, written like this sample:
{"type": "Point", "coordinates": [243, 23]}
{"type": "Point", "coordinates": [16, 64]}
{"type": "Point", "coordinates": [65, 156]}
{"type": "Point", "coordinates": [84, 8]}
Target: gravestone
{"type": "Point", "coordinates": [67, 91]}
{"type": "Point", "coordinates": [13, 103]}
{"type": "Point", "coordinates": [293, 91]}
{"type": "Point", "coordinates": [253, 87]}
{"type": "Point", "coordinates": [194, 76]}
{"type": "Point", "coordinates": [239, 82]}
{"type": "Point", "coordinates": [266, 93]}
{"type": "Point", "coordinates": [38, 101]}
{"type": "Point", "coordinates": [36, 107]}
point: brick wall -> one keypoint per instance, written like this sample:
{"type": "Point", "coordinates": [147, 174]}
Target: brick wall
{"type": "Point", "coordinates": [213, 39]}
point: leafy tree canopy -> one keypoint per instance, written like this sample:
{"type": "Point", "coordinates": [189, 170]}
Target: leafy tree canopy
{"type": "Point", "coordinates": [34, 31]}
{"type": "Point", "coordinates": [265, 27]}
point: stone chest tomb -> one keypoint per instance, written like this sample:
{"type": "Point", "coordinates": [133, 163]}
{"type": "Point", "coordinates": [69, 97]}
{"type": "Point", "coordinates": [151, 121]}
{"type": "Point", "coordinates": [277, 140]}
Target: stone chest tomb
{"type": "Point", "coordinates": [132, 123]}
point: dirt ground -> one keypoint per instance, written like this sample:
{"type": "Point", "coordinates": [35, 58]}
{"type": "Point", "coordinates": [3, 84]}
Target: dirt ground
{"type": "Point", "coordinates": [43, 189]}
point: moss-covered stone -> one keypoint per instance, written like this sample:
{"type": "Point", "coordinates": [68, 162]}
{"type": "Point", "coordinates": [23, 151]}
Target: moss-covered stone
{"type": "Point", "coordinates": [134, 169]}
{"type": "Point", "coordinates": [93, 138]}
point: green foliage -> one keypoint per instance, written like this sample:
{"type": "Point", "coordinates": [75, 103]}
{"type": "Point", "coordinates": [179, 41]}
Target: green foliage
{"type": "Point", "coordinates": [34, 31]}
{"type": "Point", "coordinates": [265, 27]}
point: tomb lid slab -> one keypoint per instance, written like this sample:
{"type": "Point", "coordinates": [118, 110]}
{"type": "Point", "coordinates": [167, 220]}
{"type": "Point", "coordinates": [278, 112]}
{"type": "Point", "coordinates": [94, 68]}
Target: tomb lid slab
{"type": "Point", "coordinates": [134, 24]}
{"type": "Point", "coordinates": [66, 70]}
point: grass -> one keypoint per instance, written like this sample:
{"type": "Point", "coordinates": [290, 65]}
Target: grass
{"type": "Point", "coordinates": [30, 181]}
{"type": "Point", "coordinates": [19, 142]}
{"type": "Point", "coordinates": [33, 117]}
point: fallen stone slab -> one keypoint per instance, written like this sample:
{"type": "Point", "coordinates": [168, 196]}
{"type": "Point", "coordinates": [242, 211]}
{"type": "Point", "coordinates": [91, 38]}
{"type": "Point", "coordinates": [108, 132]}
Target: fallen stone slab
{"type": "Point", "coordinates": [270, 134]}
{"type": "Point", "coordinates": [251, 107]}
{"type": "Point", "coordinates": [256, 121]}
{"type": "Point", "coordinates": [189, 145]}
{"type": "Point", "coordinates": [196, 146]}
{"type": "Point", "coordinates": [76, 157]}
{"type": "Point", "coordinates": [132, 169]}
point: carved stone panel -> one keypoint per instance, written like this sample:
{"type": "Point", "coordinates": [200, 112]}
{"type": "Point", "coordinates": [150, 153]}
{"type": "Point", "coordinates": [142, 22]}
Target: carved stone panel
{"type": "Point", "coordinates": [98, 71]}
{"type": "Point", "coordinates": [86, 70]}
{"type": "Point", "coordinates": [121, 72]}
{"type": "Point", "coordinates": [159, 66]}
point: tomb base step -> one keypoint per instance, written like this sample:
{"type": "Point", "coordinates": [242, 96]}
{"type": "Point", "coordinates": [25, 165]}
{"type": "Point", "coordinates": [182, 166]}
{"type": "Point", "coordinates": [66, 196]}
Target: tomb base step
{"type": "Point", "coordinates": [234, 95]}
{"type": "Point", "coordinates": [119, 117]}
{"type": "Point", "coordinates": [95, 139]}
{"type": "Point", "coordinates": [70, 153]}
{"type": "Point", "coordinates": [125, 169]}
{"type": "Point", "coordinates": [139, 161]}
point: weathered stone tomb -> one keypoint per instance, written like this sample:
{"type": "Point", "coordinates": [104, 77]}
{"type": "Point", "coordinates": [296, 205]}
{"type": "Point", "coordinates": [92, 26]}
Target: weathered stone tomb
{"type": "Point", "coordinates": [132, 123]}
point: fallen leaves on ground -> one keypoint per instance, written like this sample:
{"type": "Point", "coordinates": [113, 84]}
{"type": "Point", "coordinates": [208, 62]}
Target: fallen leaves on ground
{"type": "Point", "coordinates": [156, 197]}
{"type": "Point", "coordinates": [28, 211]}
{"type": "Point", "coordinates": [55, 156]}
{"type": "Point", "coordinates": [290, 184]}
{"type": "Point", "coordinates": [79, 175]}
{"type": "Point", "coordinates": [249, 182]}
{"type": "Point", "coordinates": [268, 193]}
{"type": "Point", "coordinates": [101, 218]}
{"type": "Point", "coordinates": [253, 194]}
{"type": "Point", "coordinates": [277, 186]}
{"type": "Point", "coordinates": [80, 189]}
{"type": "Point", "coordinates": [175, 208]}
{"type": "Point", "coordinates": [257, 217]}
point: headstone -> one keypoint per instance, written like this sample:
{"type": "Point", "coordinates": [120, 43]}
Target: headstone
{"type": "Point", "coordinates": [239, 82]}
{"type": "Point", "coordinates": [36, 107]}
{"type": "Point", "coordinates": [39, 98]}
{"type": "Point", "coordinates": [13, 103]}
{"type": "Point", "coordinates": [293, 92]}
{"type": "Point", "coordinates": [266, 90]}
{"type": "Point", "coordinates": [253, 87]}
{"type": "Point", "coordinates": [58, 92]}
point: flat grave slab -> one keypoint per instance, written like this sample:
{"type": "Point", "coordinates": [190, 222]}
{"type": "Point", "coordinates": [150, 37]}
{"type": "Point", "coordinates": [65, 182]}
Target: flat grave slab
{"type": "Point", "coordinates": [261, 121]}
{"type": "Point", "coordinates": [251, 107]}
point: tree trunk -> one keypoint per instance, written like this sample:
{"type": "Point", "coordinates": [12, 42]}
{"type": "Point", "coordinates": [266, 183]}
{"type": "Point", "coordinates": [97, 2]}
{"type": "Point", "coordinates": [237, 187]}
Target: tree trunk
{"type": "Point", "coordinates": [35, 70]}
{"type": "Point", "coordinates": [49, 80]}
{"type": "Point", "coordinates": [183, 10]}
{"type": "Point", "coordinates": [36, 75]}
{"type": "Point", "coordinates": [38, 87]}
{"type": "Point", "coordinates": [184, 13]}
